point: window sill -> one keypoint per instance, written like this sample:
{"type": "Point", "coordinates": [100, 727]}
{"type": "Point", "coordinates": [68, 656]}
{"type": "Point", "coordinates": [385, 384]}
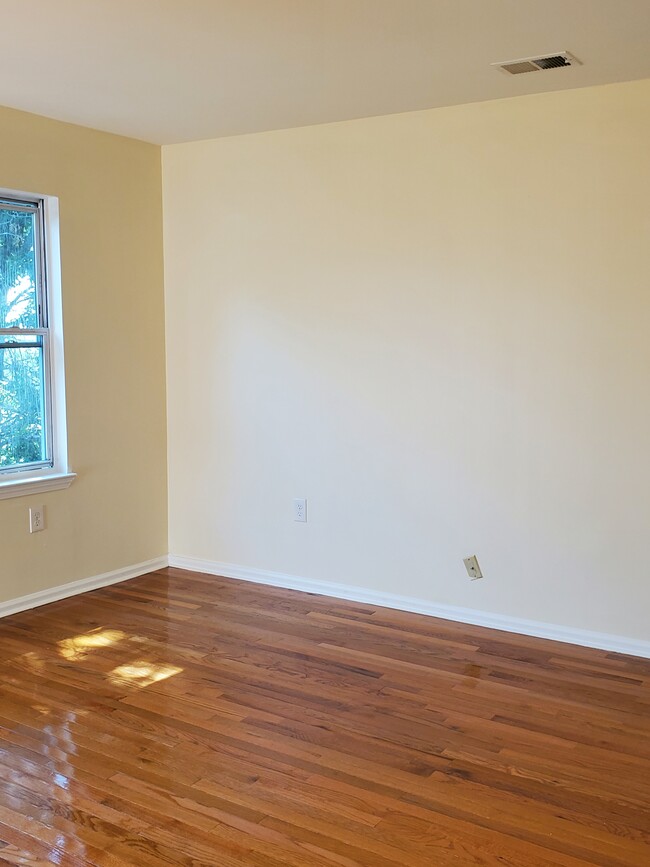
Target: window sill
{"type": "Point", "coordinates": [35, 485]}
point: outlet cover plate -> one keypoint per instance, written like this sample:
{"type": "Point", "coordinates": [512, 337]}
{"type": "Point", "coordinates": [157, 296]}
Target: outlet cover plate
{"type": "Point", "coordinates": [36, 519]}
{"type": "Point", "coordinates": [473, 569]}
{"type": "Point", "coordinates": [300, 510]}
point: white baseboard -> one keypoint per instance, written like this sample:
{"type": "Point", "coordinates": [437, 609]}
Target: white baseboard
{"type": "Point", "coordinates": [582, 637]}
{"type": "Point", "coordinates": [42, 597]}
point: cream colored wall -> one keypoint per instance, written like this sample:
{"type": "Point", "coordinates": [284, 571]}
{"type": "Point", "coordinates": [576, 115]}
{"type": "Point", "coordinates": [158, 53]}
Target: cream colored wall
{"type": "Point", "coordinates": [115, 513]}
{"type": "Point", "coordinates": [435, 327]}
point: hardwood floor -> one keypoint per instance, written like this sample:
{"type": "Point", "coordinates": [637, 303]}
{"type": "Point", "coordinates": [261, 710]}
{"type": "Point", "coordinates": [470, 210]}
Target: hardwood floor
{"type": "Point", "coordinates": [186, 719]}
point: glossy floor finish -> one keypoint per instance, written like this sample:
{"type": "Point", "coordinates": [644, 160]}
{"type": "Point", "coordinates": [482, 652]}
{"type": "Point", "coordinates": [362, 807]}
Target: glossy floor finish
{"type": "Point", "coordinates": [187, 719]}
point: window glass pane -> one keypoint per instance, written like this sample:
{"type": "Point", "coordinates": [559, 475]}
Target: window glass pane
{"type": "Point", "coordinates": [18, 295]}
{"type": "Point", "coordinates": [22, 402]}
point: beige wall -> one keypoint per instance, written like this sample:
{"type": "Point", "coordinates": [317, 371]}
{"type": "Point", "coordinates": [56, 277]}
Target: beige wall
{"type": "Point", "coordinates": [435, 326]}
{"type": "Point", "coordinates": [115, 513]}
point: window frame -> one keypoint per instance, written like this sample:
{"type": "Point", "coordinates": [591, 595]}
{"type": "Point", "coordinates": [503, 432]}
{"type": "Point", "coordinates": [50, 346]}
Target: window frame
{"type": "Point", "coordinates": [53, 474]}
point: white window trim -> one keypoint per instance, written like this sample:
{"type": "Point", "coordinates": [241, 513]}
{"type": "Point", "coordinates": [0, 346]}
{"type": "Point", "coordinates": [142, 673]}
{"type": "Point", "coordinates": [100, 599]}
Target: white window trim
{"type": "Point", "coordinates": [22, 483]}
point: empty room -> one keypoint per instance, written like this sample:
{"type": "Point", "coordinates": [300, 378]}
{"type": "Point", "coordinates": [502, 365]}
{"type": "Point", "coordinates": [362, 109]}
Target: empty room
{"type": "Point", "coordinates": [325, 433]}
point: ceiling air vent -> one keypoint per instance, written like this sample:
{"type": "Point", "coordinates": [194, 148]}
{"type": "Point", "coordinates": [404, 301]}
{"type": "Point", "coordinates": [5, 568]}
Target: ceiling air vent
{"type": "Point", "coordinates": [537, 64]}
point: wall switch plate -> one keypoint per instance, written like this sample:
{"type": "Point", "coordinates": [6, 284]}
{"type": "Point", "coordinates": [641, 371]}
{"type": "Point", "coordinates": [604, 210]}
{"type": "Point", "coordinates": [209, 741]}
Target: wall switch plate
{"type": "Point", "coordinates": [473, 569]}
{"type": "Point", "coordinates": [36, 519]}
{"type": "Point", "coordinates": [300, 511]}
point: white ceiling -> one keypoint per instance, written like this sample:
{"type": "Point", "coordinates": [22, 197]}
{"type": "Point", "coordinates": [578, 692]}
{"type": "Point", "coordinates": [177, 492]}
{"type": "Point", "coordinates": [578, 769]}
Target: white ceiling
{"type": "Point", "coordinates": [178, 70]}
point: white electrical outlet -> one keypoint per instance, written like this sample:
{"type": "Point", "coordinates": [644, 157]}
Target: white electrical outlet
{"type": "Point", "coordinates": [36, 519]}
{"type": "Point", "coordinates": [473, 569]}
{"type": "Point", "coordinates": [300, 511]}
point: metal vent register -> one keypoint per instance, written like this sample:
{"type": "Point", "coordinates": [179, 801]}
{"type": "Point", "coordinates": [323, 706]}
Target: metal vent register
{"type": "Point", "coordinates": [537, 64]}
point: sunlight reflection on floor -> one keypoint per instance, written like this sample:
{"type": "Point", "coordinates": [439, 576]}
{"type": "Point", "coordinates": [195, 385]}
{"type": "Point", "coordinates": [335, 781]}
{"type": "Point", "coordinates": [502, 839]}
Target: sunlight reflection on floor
{"type": "Point", "coordinates": [141, 673]}
{"type": "Point", "coordinates": [78, 647]}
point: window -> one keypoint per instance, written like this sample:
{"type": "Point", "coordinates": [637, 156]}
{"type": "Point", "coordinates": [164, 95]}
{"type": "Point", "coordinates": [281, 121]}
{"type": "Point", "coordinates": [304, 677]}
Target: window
{"type": "Point", "coordinates": [33, 448]}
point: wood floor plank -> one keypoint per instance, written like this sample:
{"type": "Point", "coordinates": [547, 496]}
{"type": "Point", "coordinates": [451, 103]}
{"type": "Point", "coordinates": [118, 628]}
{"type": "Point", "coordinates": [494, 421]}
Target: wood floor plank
{"type": "Point", "coordinates": [192, 720]}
